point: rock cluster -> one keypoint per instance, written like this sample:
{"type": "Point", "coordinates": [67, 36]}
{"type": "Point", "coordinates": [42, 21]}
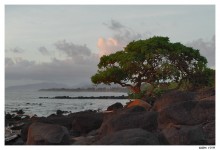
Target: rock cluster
{"type": "Point", "coordinates": [176, 118]}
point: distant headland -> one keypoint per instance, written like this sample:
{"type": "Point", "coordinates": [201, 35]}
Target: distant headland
{"type": "Point", "coordinates": [90, 89]}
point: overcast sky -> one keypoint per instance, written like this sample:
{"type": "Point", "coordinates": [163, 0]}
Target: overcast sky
{"type": "Point", "coordinates": [63, 44]}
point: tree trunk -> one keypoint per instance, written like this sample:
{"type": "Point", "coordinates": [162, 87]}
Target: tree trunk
{"type": "Point", "coordinates": [135, 89]}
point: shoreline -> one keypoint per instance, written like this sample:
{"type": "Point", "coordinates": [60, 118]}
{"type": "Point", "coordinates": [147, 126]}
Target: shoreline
{"type": "Point", "coordinates": [118, 90]}
{"type": "Point", "coordinates": [86, 97]}
{"type": "Point", "coordinates": [174, 119]}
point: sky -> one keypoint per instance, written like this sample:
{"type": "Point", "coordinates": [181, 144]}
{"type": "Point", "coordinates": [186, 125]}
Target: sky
{"type": "Point", "coordinates": [63, 43]}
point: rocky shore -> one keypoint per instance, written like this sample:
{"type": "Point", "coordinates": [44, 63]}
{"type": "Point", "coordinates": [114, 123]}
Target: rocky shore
{"type": "Point", "coordinates": [176, 118]}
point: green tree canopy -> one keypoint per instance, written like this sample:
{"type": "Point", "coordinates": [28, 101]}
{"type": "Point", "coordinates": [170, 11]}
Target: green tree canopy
{"type": "Point", "coordinates": [202, 79]}
{"type": "Point", "coordinates": [153, 60]}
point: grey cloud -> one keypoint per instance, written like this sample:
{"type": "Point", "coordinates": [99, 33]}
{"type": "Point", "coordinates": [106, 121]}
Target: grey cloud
{"type": "Point", "coordinates": [72, 50]}
{"type": "Point", "coordinates": [114, 25]}
{"type": "Point", "coordinates": [207, 49]}
{"type": "Point", "coordinates": [62, 71]}
{"type": "Point", "coordinates": [43, 50]}
{"type": "Point", "coordinates": [127, 36]}
{"type": "Point", "coordinates": [124, 34]}
{"type": "Point", "coordinates": [8, 62]}
{"type": "Point", "coordinates": [18, 62]}
{"type": "Point", "coordinates": [16, 50]}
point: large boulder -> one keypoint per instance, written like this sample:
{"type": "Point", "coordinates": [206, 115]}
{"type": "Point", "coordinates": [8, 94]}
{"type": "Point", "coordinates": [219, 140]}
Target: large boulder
{"type": "Point", "coordinates": [129, 137]}
{"type": "Point", "coordinates": [134, 109]}
{"type": "Point", "coordinates": [47, 134]}
{"type": "Point", "coordinates": [115, 106]}
{"type": "Point", "coordinates": [24, 131]}
{"type": "Point", "coordinates": [205, 94]}
{"type": "Point", "coordinates": [53, 119]}
{"type": "Point", "coordinates": [171, 98]}
{"type": "Point", "coordinates": [209, 130]}
{"type": "Point", "coordinates": [60, 120]}
{"type": "Point", "coordinates": [85, 122]}
{"type": "Point", "coordinates": [210, 98]}
{"type": "Point", "coordinates": [110, 114]}
{"type": "Point", "coordinates": [187, 113]}
{"type": "Point", "coordinates": [138, 102]}
{"type": "Point", "coordinates": [127, 119]}
{"type": "Point", "coordinates": [84, 140]}
{"type": "Point", "coordinates": [185, 135]}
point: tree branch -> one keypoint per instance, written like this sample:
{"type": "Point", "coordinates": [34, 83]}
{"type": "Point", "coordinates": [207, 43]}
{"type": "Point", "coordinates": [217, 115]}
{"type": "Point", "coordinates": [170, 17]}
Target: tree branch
{"type": "Point", "coordinates": [123, 84]}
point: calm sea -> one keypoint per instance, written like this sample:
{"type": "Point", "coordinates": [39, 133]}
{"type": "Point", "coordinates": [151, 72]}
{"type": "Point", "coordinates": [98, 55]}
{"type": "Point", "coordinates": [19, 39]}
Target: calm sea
{"type": "Point", "coordinates": [30, 103]}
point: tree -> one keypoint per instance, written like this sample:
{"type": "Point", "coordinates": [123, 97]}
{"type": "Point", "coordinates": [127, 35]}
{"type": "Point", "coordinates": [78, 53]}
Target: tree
{"type": "Point", "coordinates": [205, 78]}
{"type": "Point", "coordinates": [154, 60]}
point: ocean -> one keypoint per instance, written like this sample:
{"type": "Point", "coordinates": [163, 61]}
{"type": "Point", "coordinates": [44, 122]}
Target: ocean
{"type": "Point", "coordinates": [30, 103]}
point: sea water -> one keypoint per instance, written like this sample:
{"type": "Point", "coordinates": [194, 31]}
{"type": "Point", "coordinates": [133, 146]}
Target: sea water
{"type": "Point", "coordinates": [30, 103]}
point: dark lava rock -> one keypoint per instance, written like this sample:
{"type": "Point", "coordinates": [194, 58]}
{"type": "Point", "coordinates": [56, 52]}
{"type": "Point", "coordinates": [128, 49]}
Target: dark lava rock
{"type": "Point", "coordinates": [209, 130]}
{"type": "Point", "coordinates": [24, 131]}
{"type": "Point", "coordinates": [134, 109]}
{"type": "Point", "coordinates": [74, 133]}
{"type": "Point", "coordinates": [187, 113]}
{"type": "Point", "coordinates": [162, 139]}
{"type": "Point", "coordinates": [115, 106]}
{"type": "Point", "coordinates": [205, 94]}
{"type": "Point", "coordinates": [12, 141]}
{"type": "Point", "coordinates": [59, 112]}
{"type": "Point", "coordinates": [85, 122]}
{"type": "Point", "coordinates": [138, 102]}
{"type": "Point", "coordinates": [8, 116]}
{"type": "Point", "coordinates": [17, 118]}
{"type": "Point", "coordinates": [20, 112]}
{"type": "Point", "coordinates": [78, 123]}
{"type": "Point", "coordinates": [17, 141]}
{"type": "Point", "coordinates": [172, 98]}
{"type": "Point", "coordinates": [128, 120]}
{"type": "Point", "coordinates": [59, 120]}
{"type": "Point", "coordinates": [84, 140]}
{"type": "Point", "coordinates": [185, 135]}
{"type": "Point", "coordinates": [134, 136]}
{"type": "Point", "coordinates": [17, 127]}
{"type": "Point", "coordinates": [47, 134]}
{"type": "Point", "coordinates": [54, 119]}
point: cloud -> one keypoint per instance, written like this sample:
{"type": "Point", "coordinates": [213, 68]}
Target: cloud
{"type": "Point", "coordinates": [16, 50]}
{"type": "Point", "coordinates": [63, 71]}
{"type": "Point", "coordinates": [78, 67]}
{"type": "Point", "coordinates": [8, 62]}
{"type": "Point", "coordinates": [108, 46]}
{"type": "Point", "coordinates": [72, 50]}
{"type": "Point", "coordinates": [43, 50]}
{"type": "Point", "coordinates": [207, 49]}
{"type": "Point", "coordinates": [114, 25]}
{"type": "Point", "coordinates": [122, 35]}
{"type": "Point", "coordinates": [18, 62]}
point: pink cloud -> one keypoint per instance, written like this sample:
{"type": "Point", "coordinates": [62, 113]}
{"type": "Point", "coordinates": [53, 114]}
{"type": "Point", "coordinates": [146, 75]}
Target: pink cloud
{"type": "Point", "coordinates": [108, 46]}
{"type": "Point", "coordinates": [122, 35]}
